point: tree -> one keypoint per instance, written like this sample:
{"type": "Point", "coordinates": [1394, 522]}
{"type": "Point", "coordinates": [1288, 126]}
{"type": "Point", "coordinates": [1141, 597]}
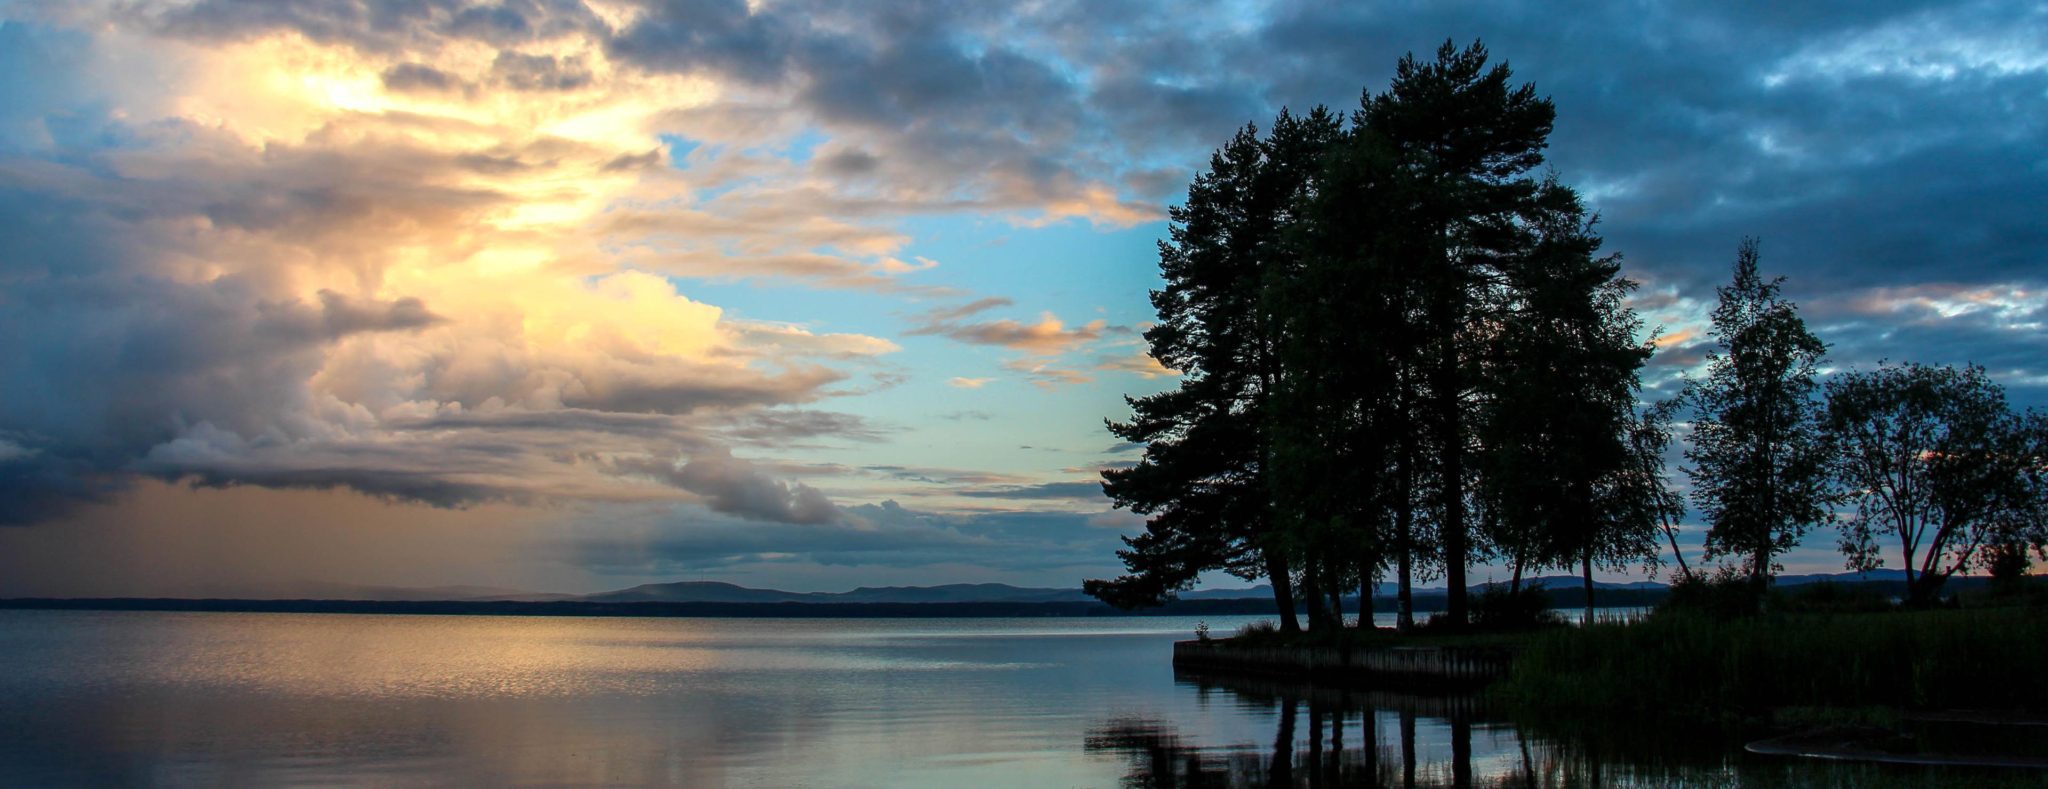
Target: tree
{"type": "Point", "coordinates": [1932, 456]}
{"type": "Point", "coordinates": [1758, 465]}
{"type": "Point", "coordinates": [1467, 138]}
{"type": "Point", "coordinates": [1204, 476]}
{"type": "Point", "coordinates": [1558, 480]}
{"type": "Point", "coordinates": [1340, 417]}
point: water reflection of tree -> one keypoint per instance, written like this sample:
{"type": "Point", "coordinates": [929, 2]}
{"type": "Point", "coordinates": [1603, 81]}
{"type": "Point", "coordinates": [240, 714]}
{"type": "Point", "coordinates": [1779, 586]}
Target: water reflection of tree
{"type": "Point", "coordinates": [1343, 745]}
{"type": "Point", "coordinates": [1360, 738]}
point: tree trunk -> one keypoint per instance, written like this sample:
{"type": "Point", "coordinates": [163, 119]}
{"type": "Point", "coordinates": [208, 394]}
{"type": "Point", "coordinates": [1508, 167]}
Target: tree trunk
{"type": "Point", "coordinates": [1760, 576]}
{"type": "Point", "coordinates": [1404, 619]}
{"type": "Point", "coordinates": [1453, 482]}
{"type": "Point", "coordinates": [1586, 566]}
{"type": "Point", "coordinates": [1283, 592]}
{"type": "Point", "coordinates": [1312, 595]}
{"type": "Point", "coordinates": [1923, 589]}
{"type": "Point", "coordinates": [1446, 388]}
{"type": "Point", "coordinates": [1365, 606]}
{"type": "Point", "coordinates": [1912, 578]}
{"type": "Point", "coordinates": [1671, 533]}
{"type": "Point", "coordinates": [1404, 510]}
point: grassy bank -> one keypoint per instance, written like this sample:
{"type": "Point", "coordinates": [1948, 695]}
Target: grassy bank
{"type": "Point", "coordinates": [1678, 662]}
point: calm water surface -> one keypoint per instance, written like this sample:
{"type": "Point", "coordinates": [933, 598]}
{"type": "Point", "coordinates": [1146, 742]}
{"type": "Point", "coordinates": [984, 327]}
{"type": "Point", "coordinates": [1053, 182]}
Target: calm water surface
{"type": "Point", "coordinates": [123, 698]}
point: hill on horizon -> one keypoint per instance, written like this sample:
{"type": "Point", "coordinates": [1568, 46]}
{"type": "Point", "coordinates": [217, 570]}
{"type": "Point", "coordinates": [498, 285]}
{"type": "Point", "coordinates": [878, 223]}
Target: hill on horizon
{"type": "Point", "coordinates": [704, 591]}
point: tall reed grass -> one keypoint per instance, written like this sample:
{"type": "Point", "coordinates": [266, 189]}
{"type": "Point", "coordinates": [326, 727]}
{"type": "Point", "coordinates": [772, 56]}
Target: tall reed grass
{"type": "Point", "coordinates": [1686, 662]}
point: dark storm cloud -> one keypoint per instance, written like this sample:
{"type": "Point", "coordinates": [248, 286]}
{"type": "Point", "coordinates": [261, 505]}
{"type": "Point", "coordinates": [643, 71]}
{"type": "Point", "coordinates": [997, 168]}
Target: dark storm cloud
{"type": "Point", "coordinates": [99, 371]}
{"type": "Point", "coordinates": [408, 485]}
{"type": "Point", "coordinates": [106, 355]}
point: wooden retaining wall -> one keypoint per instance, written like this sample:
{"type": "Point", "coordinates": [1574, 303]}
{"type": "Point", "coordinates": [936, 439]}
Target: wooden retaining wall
{"type": "Point", "coordinates": [1410, 667]}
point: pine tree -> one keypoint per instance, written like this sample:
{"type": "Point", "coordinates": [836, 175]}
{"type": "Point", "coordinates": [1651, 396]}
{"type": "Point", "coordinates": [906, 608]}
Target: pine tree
{"type": "Point", "coordinates": [1204, 479]}
{"type": "Point", "coordinates": [1468, 139]}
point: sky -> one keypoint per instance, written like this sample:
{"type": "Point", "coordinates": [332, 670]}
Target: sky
{"type": "Point", "coordinates": [570, 295]}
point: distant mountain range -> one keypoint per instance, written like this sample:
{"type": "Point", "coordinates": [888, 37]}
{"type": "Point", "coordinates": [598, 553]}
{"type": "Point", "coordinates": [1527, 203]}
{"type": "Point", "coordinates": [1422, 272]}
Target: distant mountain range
{"type": "Point", "coordinates": [721, 592]}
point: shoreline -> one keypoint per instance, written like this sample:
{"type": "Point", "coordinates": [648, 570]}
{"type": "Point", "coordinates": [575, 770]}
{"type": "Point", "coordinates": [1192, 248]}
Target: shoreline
{"type": "Point", "coordinates": [787, 610]}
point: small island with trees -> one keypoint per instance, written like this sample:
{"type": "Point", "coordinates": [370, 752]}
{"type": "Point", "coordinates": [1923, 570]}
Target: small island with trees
{"type": "Point", "coordinates": [1403, 353]}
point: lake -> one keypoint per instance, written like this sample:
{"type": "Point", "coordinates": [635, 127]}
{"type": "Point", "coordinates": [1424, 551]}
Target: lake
{"type": "Point", "coordinates": [126, 698]}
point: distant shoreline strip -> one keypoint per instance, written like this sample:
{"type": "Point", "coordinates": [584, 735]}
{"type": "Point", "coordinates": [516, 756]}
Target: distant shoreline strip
{"type": "Point", "coordinates": [787, 610]}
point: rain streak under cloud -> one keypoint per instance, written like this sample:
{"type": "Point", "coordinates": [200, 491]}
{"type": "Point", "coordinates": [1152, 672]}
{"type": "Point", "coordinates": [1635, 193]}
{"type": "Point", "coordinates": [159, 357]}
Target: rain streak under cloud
{"type": "Point", "coordinates": [570, 295]}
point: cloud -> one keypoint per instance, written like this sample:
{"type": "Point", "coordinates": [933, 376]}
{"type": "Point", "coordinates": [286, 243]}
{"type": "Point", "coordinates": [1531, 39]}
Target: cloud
{"type": "Point", "coordinates": [1048, 337]}
{"type": "Point", "coordinates": [945, 476]}
{"type": "Point", "coordinates": [784, 427]}
{"type": "Point", "coordinates": [1046, 376]}
{"type": "Point", "coordinates": [967, 383]}
{"type": "Point", "coordinates": [378, 25]}
{"type": "Point", "coordinates": [889, 541]}
{"type": "Point", "coordinates": [737, 487]}
{"type": "Point", "coordinates": [1075, 491]}
{"type": "Point", "coordinates": [1138, 363]}
{"type": "Point", "coordinates": [419, 77]}
{"type": "Point", "coordinates": [784, 339]}
{"type": "Point", "coordinates": [538, 72]}
{"type": "Point", "coordinates": [379, 277]}
{"type": "Point", "coordinates": [925, 100]}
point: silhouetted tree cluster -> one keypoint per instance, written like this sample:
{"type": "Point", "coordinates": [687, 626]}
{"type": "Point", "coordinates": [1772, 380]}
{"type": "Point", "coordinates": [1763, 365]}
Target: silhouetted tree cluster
{"type": "Point", "coordinates": [1928, 457]}
{"type": "Point", "coordinates": [1400, 353]}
